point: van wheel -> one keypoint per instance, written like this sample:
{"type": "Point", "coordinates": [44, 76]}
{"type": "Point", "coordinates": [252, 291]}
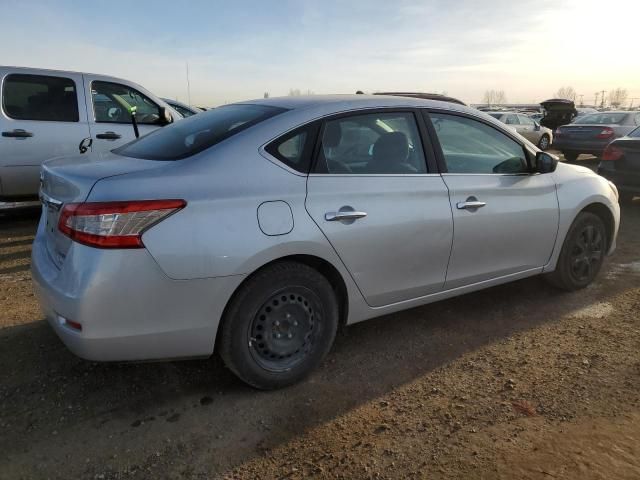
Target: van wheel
{"type": "Point", "coordinates": [570, 157]}
{"type": "Point", "coordinates": [582, 253]}
{"type": "Point", "coordinates": [543, 143]}
{"type": "Point", "coordinates": [279, 326]}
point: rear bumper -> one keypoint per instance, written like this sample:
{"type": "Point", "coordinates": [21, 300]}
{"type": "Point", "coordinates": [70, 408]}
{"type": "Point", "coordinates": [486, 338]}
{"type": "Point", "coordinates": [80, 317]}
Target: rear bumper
{"type": "Point", "coordinates": [580, 146]}
{"type": "Point", "coordinates": [128, 308]}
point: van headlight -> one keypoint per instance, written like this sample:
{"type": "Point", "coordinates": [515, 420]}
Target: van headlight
{"type": "Point", "coordinates": [614, 189]}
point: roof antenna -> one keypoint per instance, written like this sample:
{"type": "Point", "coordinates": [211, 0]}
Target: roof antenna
{"type": "Point", "coordinates": [359, 92]}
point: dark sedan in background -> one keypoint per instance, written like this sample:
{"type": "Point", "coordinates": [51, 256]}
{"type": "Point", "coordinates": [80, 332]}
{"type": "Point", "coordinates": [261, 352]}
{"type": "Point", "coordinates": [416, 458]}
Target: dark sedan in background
{"type": "Point", "coordinates": [621, 164]}
{"type": "Point", "coordinates": [592, 133]}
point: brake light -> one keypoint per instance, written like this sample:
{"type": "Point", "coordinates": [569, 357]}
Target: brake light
{"type": "Point", "coordinates": [612, 153]}
{"type": "Point", "coordinates": [606, 133]}
{"type": "Point", "coordinates": [114, 224]}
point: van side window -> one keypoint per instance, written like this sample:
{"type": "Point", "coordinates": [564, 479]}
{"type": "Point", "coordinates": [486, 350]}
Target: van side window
{"type": "Point", "coordinates": [113, 101]}
{"type": "Point", "coordinates": [40, 97]}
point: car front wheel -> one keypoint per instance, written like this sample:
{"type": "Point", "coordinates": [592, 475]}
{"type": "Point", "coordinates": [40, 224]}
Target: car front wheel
{"type": "Point", "coordinates": [570, 156]}
{"type": "Point", "coordinates": [582, 253]}
{"type": "Point", "coordinates": [279, 325]}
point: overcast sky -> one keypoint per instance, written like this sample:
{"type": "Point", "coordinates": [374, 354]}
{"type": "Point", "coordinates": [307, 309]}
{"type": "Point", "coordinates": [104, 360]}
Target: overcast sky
{"type": "Point", "coordinates": [240, 49]}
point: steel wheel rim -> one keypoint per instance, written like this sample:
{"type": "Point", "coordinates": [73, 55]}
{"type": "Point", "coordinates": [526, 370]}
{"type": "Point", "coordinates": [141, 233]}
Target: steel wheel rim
{"type": "Point", "coordinates": [586, 253]}
{"type": "Point", "coordinates": [284, 329]}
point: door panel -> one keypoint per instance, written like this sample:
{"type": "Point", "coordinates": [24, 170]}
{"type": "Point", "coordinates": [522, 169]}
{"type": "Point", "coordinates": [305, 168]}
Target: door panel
{"type": "Point", "coordinates": [43, 116]}
{"type": "Point", "coordinates": [505, 218]}
{"type": "Point", "coordinates": [515, 231]}
{"type": "Point", "coordinates": [400, 250]}
{"type": "Point", "coordinates": [109, 120]}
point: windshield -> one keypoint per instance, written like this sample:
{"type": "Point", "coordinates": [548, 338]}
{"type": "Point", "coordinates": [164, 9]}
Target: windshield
{"type": "Point", "coordinates": [497, 115]}
{"type": "Point", "coordinates": [197, 133]}
{"type": "Point", "coordinates": [602, 118]}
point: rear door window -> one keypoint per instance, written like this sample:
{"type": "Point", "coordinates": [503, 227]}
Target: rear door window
{"type": "Point", "coordinates": [40, 98]}
{"type": "Point", "coordinates": [386, 143]}
{"type": "Point", "coordinates": [112, 103]}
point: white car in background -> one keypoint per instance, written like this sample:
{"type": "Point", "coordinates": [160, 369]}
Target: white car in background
{"type": "Point", "coordinates": [50, 113]}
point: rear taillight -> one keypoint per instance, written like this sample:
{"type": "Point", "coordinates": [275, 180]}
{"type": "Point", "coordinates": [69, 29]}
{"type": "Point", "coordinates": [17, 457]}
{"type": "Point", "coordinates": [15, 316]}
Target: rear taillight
{"type": "Point", "coordinates": [612, 153]}
{"type": "Point", "coordinates": [606, 133]}
{"type": "Point", "coordinates": [114, 224]}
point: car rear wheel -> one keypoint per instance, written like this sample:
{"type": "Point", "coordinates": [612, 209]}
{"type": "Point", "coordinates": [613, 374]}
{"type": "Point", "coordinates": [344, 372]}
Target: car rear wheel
{"type": "Point", "coordinates": [279, 325]}
{"type": "Point", "coordinates": [570, 156]}
{"type": "Point", "coordinates": [544, 142]}
{"type": "Point", "coordinates": [582, 253]}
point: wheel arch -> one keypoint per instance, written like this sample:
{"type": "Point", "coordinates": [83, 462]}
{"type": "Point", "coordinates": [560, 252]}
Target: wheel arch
{"type": "Point", "coordinates": [605, 214]}
{"type": "Point", "coordinates": [324, 267]}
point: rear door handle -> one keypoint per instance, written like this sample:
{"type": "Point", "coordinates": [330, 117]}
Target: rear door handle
{"type": "Point", "coordinates": [17, 133]}
{"type": "Point", "coordinates": [343, 215]}
{"type": "Point", "coordinates": [470, 205]}
{"type": "Point", "coordinates": [108, 136]}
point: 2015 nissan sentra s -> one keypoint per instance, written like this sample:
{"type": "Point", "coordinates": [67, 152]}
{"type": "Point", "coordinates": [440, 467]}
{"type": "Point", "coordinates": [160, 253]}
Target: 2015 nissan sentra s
{"type": "Point", "coordinates": [258, 227]}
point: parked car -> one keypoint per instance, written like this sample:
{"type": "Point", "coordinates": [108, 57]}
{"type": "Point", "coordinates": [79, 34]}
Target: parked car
{"type": "Point", "coordinates": [527, 127]}
{"type": "Point", "coordinates": [48, 113]}
{"type": "Point", "coordinates": [592, 133]}
{"type": "Point", "coordinates": [620, 163]}
{"type": "Point", "coordinates": [557, 112]}
{"type": "Point", "coordinates": [582, 111]}
{"type": "Point", "coordinates": [182, 108]}
{"type": "Point", "coordinates": [259, 227]}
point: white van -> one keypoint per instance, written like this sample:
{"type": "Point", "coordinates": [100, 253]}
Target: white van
{"type": "Point", "coordinates": [48, 113]}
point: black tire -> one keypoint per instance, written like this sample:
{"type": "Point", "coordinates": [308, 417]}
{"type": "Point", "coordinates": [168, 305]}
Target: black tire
{"type": "Point", "coordinates": [544, 142]}
{"type": "Point", "coordinates": [570, 157]}
{"type": "Point", "coordinates": [279, 326]}
{"type": "Point", "coordinates": [582, 253]}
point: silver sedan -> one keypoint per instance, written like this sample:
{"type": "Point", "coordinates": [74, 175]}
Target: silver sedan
{"type": "Point", "coordinates": [257, 228]}
{"type": "Point", "coordinates": [527, 127]}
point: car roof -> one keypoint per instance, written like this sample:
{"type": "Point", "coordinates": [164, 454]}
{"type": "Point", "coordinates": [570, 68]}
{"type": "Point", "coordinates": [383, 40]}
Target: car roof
{"type": "Point", "coordinates": [355, 101]}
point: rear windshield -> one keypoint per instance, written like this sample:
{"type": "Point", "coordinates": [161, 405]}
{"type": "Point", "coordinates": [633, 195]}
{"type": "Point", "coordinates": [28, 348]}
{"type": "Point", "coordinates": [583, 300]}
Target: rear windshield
{"type": "Point", "coordinates": [197, 133]}
{"type": "Point", "coordinates": [496, 115]}
{"type": "Point", "coordinates": [602, 118]}
{"type": "Point", "coordinates": [635, 133]}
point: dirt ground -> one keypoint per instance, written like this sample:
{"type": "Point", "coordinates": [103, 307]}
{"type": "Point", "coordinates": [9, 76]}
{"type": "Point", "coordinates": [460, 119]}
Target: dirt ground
{"type": "Point", "coordinates": [516, 382]}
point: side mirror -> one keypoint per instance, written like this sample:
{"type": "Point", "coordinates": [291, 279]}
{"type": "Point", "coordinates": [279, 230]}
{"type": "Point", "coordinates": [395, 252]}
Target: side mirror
{"type": "Point", "coordinates": [545, 162]}
{"type": "Point", "coordinates": [537, 126]}
{"type": "Point", "coordinates": [165, 116]}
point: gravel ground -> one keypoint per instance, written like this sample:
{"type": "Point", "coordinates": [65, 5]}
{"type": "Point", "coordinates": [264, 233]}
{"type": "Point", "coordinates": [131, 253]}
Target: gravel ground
{"type": "Point", "coordinates": [518, 381]}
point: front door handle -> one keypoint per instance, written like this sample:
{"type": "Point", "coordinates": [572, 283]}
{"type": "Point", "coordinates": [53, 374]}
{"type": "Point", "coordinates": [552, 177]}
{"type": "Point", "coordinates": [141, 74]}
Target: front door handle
{"type": "Point", "coordinates": [17, 133]}
{"type": "Point", "coordinates": [108, 136]}
{"type": "Point", "coordinates": [470, 205]}
{"type": "Point", "coordinates": [343, 215]}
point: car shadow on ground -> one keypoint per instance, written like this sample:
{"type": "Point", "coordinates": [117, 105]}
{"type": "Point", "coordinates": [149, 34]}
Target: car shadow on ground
{"type": "Point", "coordinates": [200, 406]}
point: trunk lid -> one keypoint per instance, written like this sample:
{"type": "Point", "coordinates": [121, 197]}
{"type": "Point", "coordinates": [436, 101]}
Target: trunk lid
{"type": "Point", "coordinates": [583, 131]}
{"type": "Point", "coordinates": [70, 180]}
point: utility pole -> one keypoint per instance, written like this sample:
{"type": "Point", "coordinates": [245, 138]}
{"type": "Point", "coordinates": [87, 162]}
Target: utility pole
{"type": "Point", "coordinates": [595, 102]}
{"type": "Point", "coordinates": [631, 104]}
{"type": "Point", "coordinates": [581, 102]}
{"type": "Point", "coordinates": [188, 86]}
{"type": "Point", "coordinates": [602, 99]}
